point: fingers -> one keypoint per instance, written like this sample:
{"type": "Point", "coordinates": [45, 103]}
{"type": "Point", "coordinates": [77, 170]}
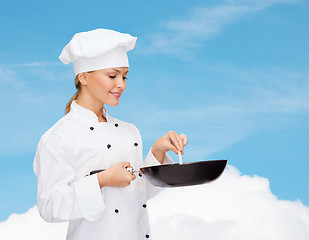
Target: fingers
{"type": "Point", "coordinates": [176, 140]}
{"type": "Point", "coordinates": [173, 148]}
{"type": "Point", "coordinates": [131, 176]}
{"type": "Point", "coordinates": [125, 164]}
{"type": "Point", "coordinates": [184, 139]}
{"type": "Point", "coordinates": [179, 141]}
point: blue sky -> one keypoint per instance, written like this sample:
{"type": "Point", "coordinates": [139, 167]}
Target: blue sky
{"type": "Point", "coordinates": [232, 75]}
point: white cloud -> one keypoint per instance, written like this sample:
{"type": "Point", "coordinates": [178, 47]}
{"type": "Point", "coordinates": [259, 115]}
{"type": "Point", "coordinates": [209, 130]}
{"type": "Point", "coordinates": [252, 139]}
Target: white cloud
{"type": "Point", "coordinates": [201, 24]}
{"type": "Point", "coordinates": [235, 207]}
{"type": "Point", "coordinates": [30, 226]}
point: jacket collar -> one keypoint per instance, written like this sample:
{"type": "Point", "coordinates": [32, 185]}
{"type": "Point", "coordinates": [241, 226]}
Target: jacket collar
{"type": "Point", "coordinates": [86, 113]}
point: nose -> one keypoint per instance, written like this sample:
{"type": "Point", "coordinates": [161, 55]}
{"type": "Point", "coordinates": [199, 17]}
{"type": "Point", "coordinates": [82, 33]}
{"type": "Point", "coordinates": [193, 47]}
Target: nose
{"type": "Point", "coordinates": [120, 83]}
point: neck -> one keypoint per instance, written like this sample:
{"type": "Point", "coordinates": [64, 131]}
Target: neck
{"type": "Point", "coordinates": [93, 105]}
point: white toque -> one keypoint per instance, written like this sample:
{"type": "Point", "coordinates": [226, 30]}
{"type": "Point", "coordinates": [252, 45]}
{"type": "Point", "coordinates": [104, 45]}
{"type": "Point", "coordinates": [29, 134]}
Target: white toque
{"type": "Point", "coordinates": [98, 49]}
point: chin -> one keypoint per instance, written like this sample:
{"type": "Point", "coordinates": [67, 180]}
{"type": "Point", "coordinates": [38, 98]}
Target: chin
{"type": "Point", "coordinates": [114, 104]}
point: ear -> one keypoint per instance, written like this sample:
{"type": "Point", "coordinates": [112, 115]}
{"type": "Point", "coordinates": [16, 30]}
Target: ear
{"type": "Point", "coordinates": [83, 78]}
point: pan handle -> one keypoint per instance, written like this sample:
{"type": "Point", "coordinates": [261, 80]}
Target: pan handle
{"type": "Point", "coordinates": [96, 171]}
{"type": "Point", "coordinates": [130, 170]}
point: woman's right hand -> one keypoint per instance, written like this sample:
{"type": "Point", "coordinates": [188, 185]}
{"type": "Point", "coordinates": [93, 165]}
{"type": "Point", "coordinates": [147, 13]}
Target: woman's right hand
{"type": "Point", "coordinates": [116, 176]}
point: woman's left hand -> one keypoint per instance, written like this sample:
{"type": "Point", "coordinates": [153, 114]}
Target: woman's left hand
{"type": "Point", "coordinates": [170, 141]}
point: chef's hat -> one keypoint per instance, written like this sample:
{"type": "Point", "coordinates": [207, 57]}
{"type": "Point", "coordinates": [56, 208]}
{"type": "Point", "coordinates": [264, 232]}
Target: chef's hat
{"type": "Point", "coordinates": [98, 49]}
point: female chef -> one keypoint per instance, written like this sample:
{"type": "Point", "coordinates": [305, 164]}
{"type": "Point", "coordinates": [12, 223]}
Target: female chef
{"type": "Point", "coordinates": [110, 204]}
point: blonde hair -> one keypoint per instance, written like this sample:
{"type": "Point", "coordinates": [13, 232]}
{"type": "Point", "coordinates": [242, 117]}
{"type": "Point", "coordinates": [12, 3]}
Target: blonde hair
{"type": "Point", "coordinates": [74, 97]}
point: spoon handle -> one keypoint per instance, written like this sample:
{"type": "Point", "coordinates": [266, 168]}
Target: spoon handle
{"type": "Point", "coordinates": [180, 158]}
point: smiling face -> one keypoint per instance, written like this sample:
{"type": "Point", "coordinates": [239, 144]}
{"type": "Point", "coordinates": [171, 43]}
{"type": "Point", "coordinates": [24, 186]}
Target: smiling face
{"type": "Point", "coordinates": [104, 86]}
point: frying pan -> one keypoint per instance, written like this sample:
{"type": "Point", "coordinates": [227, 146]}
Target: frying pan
{"type": "Point", "coordinates": [180, 175]}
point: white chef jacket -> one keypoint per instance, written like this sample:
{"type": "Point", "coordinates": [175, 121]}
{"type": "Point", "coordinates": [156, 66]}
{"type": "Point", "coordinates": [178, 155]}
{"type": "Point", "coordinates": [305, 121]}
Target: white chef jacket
{"type": "Point", "coordinates": [76, 145]}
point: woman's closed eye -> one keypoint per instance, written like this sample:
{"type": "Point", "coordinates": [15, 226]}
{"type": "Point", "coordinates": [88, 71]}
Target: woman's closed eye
{"type": "Point", "coordinates": [111, 76]}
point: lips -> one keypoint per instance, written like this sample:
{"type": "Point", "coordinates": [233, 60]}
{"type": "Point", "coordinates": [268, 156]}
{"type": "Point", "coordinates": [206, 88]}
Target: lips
{"type": "Point", "coordinates": [116, 94]}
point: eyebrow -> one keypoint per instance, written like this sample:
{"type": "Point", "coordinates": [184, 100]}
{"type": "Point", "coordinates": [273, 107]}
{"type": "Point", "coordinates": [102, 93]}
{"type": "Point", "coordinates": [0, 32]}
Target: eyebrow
{"type": "Point", "coordinates": [118, 70]}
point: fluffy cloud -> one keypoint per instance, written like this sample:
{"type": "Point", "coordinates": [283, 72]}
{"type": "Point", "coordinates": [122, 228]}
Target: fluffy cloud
{"type": "Point", "coordinates": [235, 207]}
{"type": "Point", "coordinates": [30, 226]}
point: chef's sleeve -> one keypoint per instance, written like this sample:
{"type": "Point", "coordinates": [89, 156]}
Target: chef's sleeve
{"type": "Point", "coordinates": [60, 197]}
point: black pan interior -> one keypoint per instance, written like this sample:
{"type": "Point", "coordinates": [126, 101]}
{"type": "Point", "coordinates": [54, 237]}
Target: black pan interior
{"type": "Point", "coordinates": [186, 174]}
